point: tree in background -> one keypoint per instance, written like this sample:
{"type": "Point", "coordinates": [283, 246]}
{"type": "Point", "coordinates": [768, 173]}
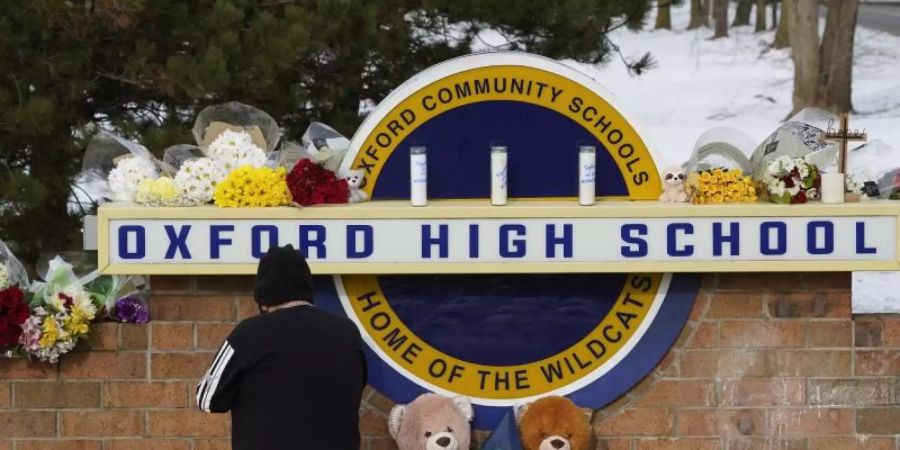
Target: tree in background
{"type": "Point", "coordinates": [760, 16]}
{"type": "Point", "coordinates": [782, 34]}
{"type": "Point", "coordinates": [664, 14]}
{"type": "Point", "coordinates": [720, 14]}
{"type": "Point", "coordinates": [143, 68]}
{"type": "Point", "coordinates": [742, 14]}
{"type": "Point", "coordinates": [699, 15]}
{"type": "Point", "coordinates": [822, 71]}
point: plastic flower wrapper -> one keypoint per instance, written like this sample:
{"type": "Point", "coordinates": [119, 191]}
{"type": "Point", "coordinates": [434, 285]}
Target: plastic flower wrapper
{"type": "Point", "coordinates": [249, 186]}
{"type": "Point", "coordinates": [721, 147]}
{"type": "Point", "coordinates": [113, 168]}
{"type": "Point", "coordinates": [12, 272]}
{"type": "Point", "coordinates": [324, 145]}
{"type": "Point", "coordinates": [106, 290]}
{"type": "Point", "coordinates": [799, 137]}
{"type": "Point", "coordinates": [870, 169]}
{"type": "Point", "coordinates": [58, 275]}
{"type": "Point", "coordinates": [213, 120]}
{"type": "Point", "coordinates": [195, 174]}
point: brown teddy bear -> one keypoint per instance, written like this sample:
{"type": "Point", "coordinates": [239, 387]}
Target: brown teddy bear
{"type": "Point", "coordinates": [554, 423]}
{"type": "Point", "coordinates": [432, 422]}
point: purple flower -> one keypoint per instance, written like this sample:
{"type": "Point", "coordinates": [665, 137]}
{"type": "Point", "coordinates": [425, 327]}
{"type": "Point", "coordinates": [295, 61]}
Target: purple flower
{"type": "Point", "coordinates": [132, 309]}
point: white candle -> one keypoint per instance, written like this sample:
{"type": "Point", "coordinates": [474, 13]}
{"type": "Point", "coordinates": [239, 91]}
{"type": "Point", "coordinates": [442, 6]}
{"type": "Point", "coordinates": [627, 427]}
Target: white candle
{"type": "Point", "coordinates": [499, 175]}
{"type": "Point", "coordinates": [833, 188]}
{"type": "Point", "coordinates": [587, 169]}
{"type": "Point", "coordinates": [418, 176]}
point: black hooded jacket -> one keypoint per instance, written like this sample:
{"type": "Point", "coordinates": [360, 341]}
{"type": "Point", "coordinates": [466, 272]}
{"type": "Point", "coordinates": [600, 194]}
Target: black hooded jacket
{"type": "Point", "coordinates": [292, 379]}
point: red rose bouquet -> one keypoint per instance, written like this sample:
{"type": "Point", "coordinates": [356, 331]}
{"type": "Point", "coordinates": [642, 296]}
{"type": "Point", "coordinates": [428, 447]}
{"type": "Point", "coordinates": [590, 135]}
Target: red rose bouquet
{"type": "Point", "coordinates": [13, 313]}
{"type": "Point", "coordinates": [312, 184]}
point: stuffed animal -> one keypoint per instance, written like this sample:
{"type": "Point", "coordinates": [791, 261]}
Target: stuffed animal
{"type": "Point", "coordinates": [355, 179]}
{"type": "Point", "coordinates": [554, 423]}
{"type": "Point", "coordinates": [432, 422]}
{"type": "Point", "coordinates": [673, 185]}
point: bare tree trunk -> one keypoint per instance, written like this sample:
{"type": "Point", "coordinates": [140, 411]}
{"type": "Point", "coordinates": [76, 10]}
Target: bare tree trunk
{"type": "Point", "coordinates": [697, 15]}
{"type": "Point", "coordinates": [774, 14]}
{"type": "Point", "coordinates": [804, 37]}
{"type": "Point", "coordinates": [836, 73]}
{"type": "Point", "coordinates": [782, 36]}
{"type": "Point", "coordinates": [721, 13]}
{"type": "Point", "coordinates": [664, 14]}
{"type": "Point", "coordinates": [760, 16]}
{"type": "Point", "coordinates": [707, 12]}
{"type": "Point", "coordinates": [742, 15]}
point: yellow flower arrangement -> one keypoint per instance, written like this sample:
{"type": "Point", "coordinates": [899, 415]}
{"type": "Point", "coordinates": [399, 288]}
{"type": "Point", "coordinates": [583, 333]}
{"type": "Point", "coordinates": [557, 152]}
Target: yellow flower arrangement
{"type": "Point", "coordinates": [161, 191]}
{"type": "Point", "coordinates": [249, 186]}
{"type": "Point", "coordinates": [720, 186]}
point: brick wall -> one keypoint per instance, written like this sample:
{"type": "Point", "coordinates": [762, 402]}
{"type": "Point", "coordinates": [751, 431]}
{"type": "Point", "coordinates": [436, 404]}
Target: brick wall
{"type": "Point", "coordinates": [767, 361]}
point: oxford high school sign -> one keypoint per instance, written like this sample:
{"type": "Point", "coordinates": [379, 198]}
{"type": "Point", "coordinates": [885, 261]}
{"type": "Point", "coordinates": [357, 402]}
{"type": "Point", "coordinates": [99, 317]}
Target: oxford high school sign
{"type": "Point", "coordinates": [438, 292]}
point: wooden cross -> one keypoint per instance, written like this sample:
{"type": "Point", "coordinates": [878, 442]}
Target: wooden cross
{"type": "Point", "coordinates": [843, 136]}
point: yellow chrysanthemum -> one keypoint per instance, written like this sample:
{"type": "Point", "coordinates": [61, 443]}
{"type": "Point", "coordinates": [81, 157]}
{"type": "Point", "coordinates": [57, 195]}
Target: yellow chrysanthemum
{"type": "Point", "coordinates": [249, 186]}
{"type": "Point", "coordinates": [49, 333]}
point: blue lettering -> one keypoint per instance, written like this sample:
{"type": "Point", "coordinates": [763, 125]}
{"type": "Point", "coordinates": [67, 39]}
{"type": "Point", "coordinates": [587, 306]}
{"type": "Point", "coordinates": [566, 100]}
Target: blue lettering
{"type": "Point", "coordinates": [861, 248]}
{"type": "Point", "coordinates": [565, 240]}
{"type": "Point", "coordinates": [765, 238]}
{"type": "Point", "coordinates": [256, 247]}
{"type": "Point", "coordinates": [216, 241]}
{"type": "Point", "coordinates": [473, 241]}
{"type": "Point", "coordinates": [178, 241]}
{"type": "Point", "coordinates": [637, 247]}
{"type": "Point", "coordinates": [441, 240]}
{"type": "Point", "coordinates": [812, 239]}
{"type": "Point", "coordinates": [140, 237]}
{"type": "Point", "coordinates": [318, 242]}
{"type": "Point", "coordinates": [672, 238]}
{"type": "Point", "coordinates": [353, 252]}
{"type": "Point", "coordinates": [733, 239]}
{"type": "Point", "coordinates": [518, 245]}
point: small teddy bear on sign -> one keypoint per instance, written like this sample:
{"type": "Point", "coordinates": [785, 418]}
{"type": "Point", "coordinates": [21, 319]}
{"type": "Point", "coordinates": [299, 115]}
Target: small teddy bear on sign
{"type": "Point", "coordinates": [673, 186]}
{"type": "Point", "coordinates": [554, 423]}
{"type": "Point", "coordinates": [432, 422]}
{"type": "Point", "coordinates": [355, 180]}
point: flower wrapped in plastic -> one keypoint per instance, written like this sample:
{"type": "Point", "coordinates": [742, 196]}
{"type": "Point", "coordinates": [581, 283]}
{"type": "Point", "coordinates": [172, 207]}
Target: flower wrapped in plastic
{"type": "Point", "coordinates": [720, 186]}
{"type": "Point", "coordinates": [107, 291]}
{"type": "Point", "coordinates": [791, 180]}
{"type": "Point", "coordinates": [113, 168]}
{"type": "Point", "coordinates": [12, 272]}
{"type": "Point", "coordinates": [195, 174]}
{"type": "Point", "coordinates": [14, 309]}
{"type": "Point", "coordinates": [235, 135]}
{"type": "Point", "coordinates": [312, 184]}
{"type": "Point", "coordinates": [249, 186]}
{"type": "Point", "coordinates": [233, 149]}
{"type": "Point", "coordinates": [324, 145]}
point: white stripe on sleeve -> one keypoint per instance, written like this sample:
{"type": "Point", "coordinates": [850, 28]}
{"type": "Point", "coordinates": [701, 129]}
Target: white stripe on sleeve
{"type": "Point", "coordinates": [216, 375]}
{"type": "Point", "coordinates": [204, 383]}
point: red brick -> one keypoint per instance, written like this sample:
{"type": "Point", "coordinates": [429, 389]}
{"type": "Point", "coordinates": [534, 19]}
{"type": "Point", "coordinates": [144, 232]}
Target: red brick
{"type": "Point", "coordinates": [134, 336]}
{"type": "Point", "coordinates": [668, 366]}
{"type": "Point", "coordinates": [830, 333]}
{"type": "Point", "coordinates": [763, 392]}
{"type": "Point", "coordinates": [761, 333]}
{"type": "Point", "coordinates": [721, 422]}
{"type": "Point", "coordinates": [828, 280]}
{"type": "Point", "coordinates": [878, 420]}
{"type": "Point", "coordinates": [377, 400]}
{"type": "Point", "coordinates": [867, 332]}
{"type": "Point", "coordinates": [104, 336]}
{"type": "Point", "coordinates": [52, 394]}
{"type": "Point", "coordinates": [6, 445]}
{"type": "Point", "coordinates": [736, 305]}
{"type": "Point", "coordinates": [247, 307]}
{"type": "Point", "coordinates": [180, 365]}
{"type": "Point", "coordinates": [23, 369]}
{"type": "Point", "coordinates": [372, 423]}
{"type": "Point", "coordinates": [677, 444]}
{"type": "Point", "coordinates": [5, 395]}
{"type": "Point", "coordinates": [637, 421]}
{"type": "Point", "coordinates": [820, 304]}
{"type": "Point", "coordinates": [851, 443]}
{"type": "Point", "coordinates": [680, 393]}
{"type": "Point", "coordinates": [188, 422]}
{"type": "Point", "coordinates": [219, 444]}
{"type": "Point", "coordinates": [854, 391]}
{"type": "Point", "coordinates": [134, 394]}
{"type": "Point", "coordinates": [763, 281]}
{"type": "Point", "coordinates": [149, 444]}
{"type": "Point", "coordinates": [59, 445]}
{"type": "Point", "coordinates": [104, 365]}
{"type": "Point", "coordinates": [211, 335]}
{"type": "Point", "coordinates": [700, 306]}
{"type": "Point", "coordinates": [766, 443]}
{"type": "Point", "coordinates": [172, 336]}
{"type": "Point", "coordinates": [27, 424]}
{"type": "Point", "coordinates": [613, 444]}
{"type": "Point", "coordinates": [122, 423]}
{"type": "Point", "coordinates": [706, 336]}
{"type": "Point", "coordinates": [164, 283]}
{"type": "Point", "coordinates": [878, 362]}
{"type": "Point", "coordinates": [730, 363]}
{"type": "Point", "coordinates": [229, 283]}
{"type": "Point", "coordinates": [192, 307]}
{"type": "Point", "coordinates": [810, 363]}
{"type": "Point", "coordinates": [892, 332]}
{"type": "Point", "coordinates": [810, 422]}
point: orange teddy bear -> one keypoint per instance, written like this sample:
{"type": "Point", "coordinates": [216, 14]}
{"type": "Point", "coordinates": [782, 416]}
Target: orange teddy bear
{"type": "Point", "coordinates": [554, 423]}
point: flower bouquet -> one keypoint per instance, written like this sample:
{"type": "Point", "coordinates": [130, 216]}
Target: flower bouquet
{"type": "Point", "coordinates": [249, 186]}
{"type": "Point", "coordinates": [114, 168]}
{"type": "Point", "coordinates": [13, 306]}
{"type": "Point", "coordinates": [311, 184]}
{"type": "Point", "coordinates": [720, 186]}
{"type": "Point", "coordinates": [791, 180]}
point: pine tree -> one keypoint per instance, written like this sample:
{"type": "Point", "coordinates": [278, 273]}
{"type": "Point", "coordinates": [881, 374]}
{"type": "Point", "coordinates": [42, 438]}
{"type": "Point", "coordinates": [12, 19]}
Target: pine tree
{"type": "Point", "coordinates": [143, 68]}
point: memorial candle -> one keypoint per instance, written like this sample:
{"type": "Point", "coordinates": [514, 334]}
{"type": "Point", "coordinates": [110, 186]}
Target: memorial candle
{"type": "Point", "coordinates": [418, 176]}
{"type": "Point", "coordinates": [587, 169]}
{"type": "Point", "coordinates": [498, 175]}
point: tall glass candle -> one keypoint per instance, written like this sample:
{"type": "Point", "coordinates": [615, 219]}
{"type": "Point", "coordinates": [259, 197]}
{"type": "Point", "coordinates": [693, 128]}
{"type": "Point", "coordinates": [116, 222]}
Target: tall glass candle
{"type": "Point", "coordinates": [418, 176]}
{"type": "Point", "coordinates": [587, 169]}
{"type": "Point", "coordinates": [499, 175]}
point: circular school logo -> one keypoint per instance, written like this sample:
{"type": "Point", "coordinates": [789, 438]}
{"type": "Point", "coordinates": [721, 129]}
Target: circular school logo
{"type": "Point", "coordinates": [504, 340]}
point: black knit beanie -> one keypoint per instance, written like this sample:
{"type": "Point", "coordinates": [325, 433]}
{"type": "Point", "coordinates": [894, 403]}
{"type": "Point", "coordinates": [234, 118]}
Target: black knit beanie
{"type": "Point", "coordinates": [283, 276]}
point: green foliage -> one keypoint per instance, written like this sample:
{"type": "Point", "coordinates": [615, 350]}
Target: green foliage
{"type": "Point", "coordinates": [144, 68]}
